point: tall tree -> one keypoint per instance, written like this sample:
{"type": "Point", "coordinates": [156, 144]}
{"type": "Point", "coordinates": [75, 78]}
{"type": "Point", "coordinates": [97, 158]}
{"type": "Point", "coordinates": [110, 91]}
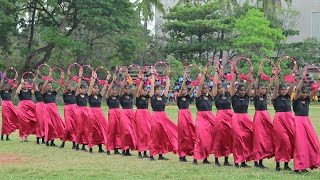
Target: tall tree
{"type": "Point", "coordinates": [146, 9]}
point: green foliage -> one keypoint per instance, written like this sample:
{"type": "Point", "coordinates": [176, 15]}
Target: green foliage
{"type": "Point", "coordinates": [8, 18]}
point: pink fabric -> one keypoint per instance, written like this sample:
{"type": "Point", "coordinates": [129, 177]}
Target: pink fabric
{"type": "Point", "coordinates": [40, 116]}
{"type": "Point", "coordinates": [114, 137]}
{"type": "Point", "coordinates": [186, 133]}
{"type": "Point", "coordinates": [83, 122]}
{"type": "Point", "coordinates": [98, 127]}
{"type": "Point", "coordinates": [143, 128]}
{"type": "Point", "coordinates": [54, 122]}
{"type": "Point", "coordinates": [70, 117]}
{"type": "Point", "coordinates": [128, 130]}
{"type": "Point", "coordinates": [27, 118]}
{"type": "Point", "coordinates": [10, 121]}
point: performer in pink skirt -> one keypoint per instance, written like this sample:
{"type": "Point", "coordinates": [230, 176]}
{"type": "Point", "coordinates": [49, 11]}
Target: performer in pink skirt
{"type": "Point", "coordinates": [306, 146]}
{"type": "Point", "coordinates": [283, 124]}
{"type": "Point", "coordinates": [263, 141]}
{"type": "Point", "coordinates": [186, 128]}
{"type": "Point", "coordinates": [242, 126]}
{"type": "Point", "coordinates": [55, 126]}
{"type": "Point", "coordinates": [127, 119]}
{"type": "Point", "coordinates": [26, 112]}
{"type": "Point", "coordinates": [70, 113]}
{"type": "Point", "coordinates": [164, 133]}
{"type": "Point", "coordinates": [205, 121]}
{"type": "Point", "coordinates": [10, 121]}
{"type": "Point", "coordinates": [143, 120]}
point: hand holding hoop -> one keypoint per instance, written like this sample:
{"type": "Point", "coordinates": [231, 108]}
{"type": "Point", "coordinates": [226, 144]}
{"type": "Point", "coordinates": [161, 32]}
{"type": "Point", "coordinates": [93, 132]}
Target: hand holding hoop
{"type": "Point", "coordinates": [244, 76]}
{"type": "Point", "coordinates": [264, 76]}
{"type": "Point", "coordinates": [290, 78]}
{"type": "Point", "coordinates": [28, 85]}
{"type": "Point", "coordinates": [11, 81]}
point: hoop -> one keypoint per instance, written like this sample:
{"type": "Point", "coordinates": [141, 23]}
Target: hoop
{"type": "Point", "coordinates": [161, 78]}
{"type": "Point", "coordinates": [45, 78]}
{"type": "Point", "coordinates": [129, 78]}
{"type": "Point", "coordinates": [148, 81]}
{"type": "Point", "coordinates": [264, 76]}
{"type": "Point", "coordinates": [100, 81]}
{"type": "Point", "coordinates": [222, 73]}
{"type": "Point", "coordinates": [118, 70]}
{"type": "Point", "coordinates": [61, 77]}
{"type": "Point", "coordinates": [12, 81]}
{"type": "Point", "coordinates": [75, 77]}
{"type": "Point", "coordinates": [243, 76]}
{"type": "Point", "coordinates": [26, 83]}
{"type": "Point", "coordinates": [212, 61]}
{"type": "Point", "coordinates": [289, 77]}
{"type": "Point", "coordinates": [87, 78]}
{"type": "Point", "coordinates": [196, 81]}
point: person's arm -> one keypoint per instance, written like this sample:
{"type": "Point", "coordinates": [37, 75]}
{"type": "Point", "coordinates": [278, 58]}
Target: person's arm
{"type": "Point", "coordinates": [122, 87]}
{"type": "Point", "coordinates": [104, 89]}
{"type": "Point", "coordinates": [183, 85]}
{"type": "Point", "coordinates": [60, 84]}
{"type": "Point", "coordinates": [166, 90]}
{"type": "Point", "coordinates": [2, 81]}
{"type": "Point", "coordinates": [232, 88]}
{"type": "Point", "coordinates": [276, 87]}
{"type": "Point", "coordinates": [45, 85]}
{"type": "Point", "coordinates": [152, 85]}
{"type": "Point", "coordinates": [198, 94]}
{"type": "Point", "coordinates": [35, 87]}
{"type": "Point", "coordinates": [298, 90]}
{"type": "Point", "coordinates": [291, 88]}
{"type": "Point", "coordinates": [19, 87]}
{"type": "Point", "coordinates": [256, 83]}
{"type": "Point", "coordinates": [110, 87]}
{"type": "Point", "coordinates": [214, 91]}
{"type": "Point", "coordinates": [249, 90]}
{"type": "Point", "coordinates": [93, 80]}
{"type": "Point", "coordinates": [269, 87]}
{"type": "Point", "coordinates": [314, 93]}
{"type": "Point", "coordinates": [67, 82]}
{"type": "Point", "coordinates": [191, 91]}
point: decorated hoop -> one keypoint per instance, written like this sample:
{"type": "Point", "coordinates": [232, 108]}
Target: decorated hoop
{"type": "Point", "coordinates": [222, 72]}
{"type": "Point", "coordinates": [163, 77]}
{"type": "Point", "coordinates": [129, 78]}
{"type": "Point", "coordinates": [194, 82]}
{"type": "Point", "coordinates": [146, 80]}
{"type": "Point", "coordinates": [75, 77]}
{"type": "Point", "coordinates": [208, 64]}
{"type": "Point", "coordinates": [306, 69]}
{"type": "Point", "coordinates": [83, 76]}
{"type": "Point", "coordinates": [103, 81]}
{"type": "Point", "coordinates": [60, 80]}
{"type": "Point", "coordinates": [11, 81]}
{"type": "Point", "coordinates": [264, 76]}
{"type": "Point", "coordinates": [28, 84]}
{"type": "Point", "coordinates": [243, 76]}
{"type": "Point", "coordinates": [288, 77]}
{"type": "Point", "coordinates": [118, 71]}
{"type": "Point", "coordinates": [44, 77]}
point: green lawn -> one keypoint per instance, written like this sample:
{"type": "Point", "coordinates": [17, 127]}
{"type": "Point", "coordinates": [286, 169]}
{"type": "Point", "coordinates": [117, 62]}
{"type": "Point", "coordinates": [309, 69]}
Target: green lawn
{"type": "Point", "coordinates": [30, 161]}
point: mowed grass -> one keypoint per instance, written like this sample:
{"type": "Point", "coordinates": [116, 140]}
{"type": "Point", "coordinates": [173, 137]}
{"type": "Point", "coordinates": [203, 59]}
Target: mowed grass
{"type": "Point", "coordinates": [27, 160]}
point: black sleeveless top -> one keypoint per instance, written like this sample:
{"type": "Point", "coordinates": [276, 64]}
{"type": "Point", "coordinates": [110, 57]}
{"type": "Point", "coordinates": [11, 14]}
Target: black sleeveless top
{"type": "Point", "coordinates": [113, 103]}
{"type": "Point", "coordinates": [95, 102]}
{"type": "Point", "coordinates": [223, 102]}
{"type": "Point", "coordinates": [25, 95]}
{"type": "Point", "coordinates": [260, 103]}
{"type": "Point", "coordinates": [142, 102]}
{"type": "Point", "coordinates": [203, 104]}
{"type": "Point", "coordinates": [183, 102]}
{"type": "Point", "coordinates": [6, 95]}
{"type": "Point", "coordinates": [82, 101]}
{"type": "Point", "coordinates": [38, 96]}
{"type": "Point", "coordinates": [282, 103]}
{"type": "Point", "coordinates": [301, 106]}
{"type": "Point", "coordinates": [126, 101]}
{"type": "Point", "coordinates": [70, 98]}
{"type": "Point", "coordinates": [158, 105]}
{"type": "Point", "coordinates": [240, 105]}
{"type": "Point", "coordinates": [49, 97]}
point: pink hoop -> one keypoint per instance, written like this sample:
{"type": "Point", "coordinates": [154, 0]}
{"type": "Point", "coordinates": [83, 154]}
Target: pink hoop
{"type": "Point", "coordinates": [26, 83]}
{"type": "Point", "coordinates": [100, 81]}
{"type": "Point", "coordinates": [243, 76]}
{"type": "Point", "coordinates": [12, 81]}
{"type": "Point", "coordinates": [148, 81]}
{"type": "Point", "coordinates": [87, 78]}
{"type": "Point", "coordinates": [118, 70]}
{"type": "Point", "coordinates": [161, 78]}
{"type": "Point", "coordinates": [75, 77]}
{"type": "Point", "coordinates": [222, 73]}
{"type": "Point", "coordinates": [306, 69]}
{"type": "Point", "coordinates": [289, 77]}
{"type": "Point", "coordinates": [264, 76]}
{"type": "Point", "coordinates": [207, 65]}
{"type": "Point", "coordinates": [61, 77]}
{"type": "Point", "coordinates": [45, 78]}
{"type": "Point", "coordinates": [129, 78]}
{"type": "Point", "coordinates": [196, 81]}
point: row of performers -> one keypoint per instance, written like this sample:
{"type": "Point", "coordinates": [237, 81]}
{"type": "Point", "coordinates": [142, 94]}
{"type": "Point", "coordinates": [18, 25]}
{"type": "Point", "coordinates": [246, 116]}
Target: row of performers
{"type": "Point", "coordinates": [230, 131]}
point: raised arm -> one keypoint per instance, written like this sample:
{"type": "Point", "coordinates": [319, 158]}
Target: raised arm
{"type": "Point", "coordinates": [256, 82]}
{"type": "Point", "coordinates": [276, 87]}
{"type": "Point", "coordinates": [122, 86]}
{"type": "Point", "coordinates": [93, 80]}
{"type": "Point", "coordinates": [315, 91]}
{"type": "Point", "coordinates": [291, 88]}
{"type": "Point", "coordinates": [183, 85]}
{"type": "Point", "coordinates": [152, 85]}
{"type": "Point", "coordinates": [110, 87]}
{"type": "Point", "coordinates": [167, 88]}
{"type": "Point", "coordinates": [19, 87]}
{"type": "Point", "coordinates": [232, 88]}
{"type": "Point", "coordinates": [35, 87]}
{"type": "Point", "coordinates": [104, 89]}
{"type": "Point", "coordinates": [249, 90]}
{"type": "Point", "coordinates": [136, 88]}
{"type": "Point", "coordinates": [214, 91]}
{"type": "Point", "coordinates": [67, 82]}
{"type": "Point", "coordinates": [60, 85]}
{"type": "Point", "coordinates": [198, 94]}
{"type": "Point", "coordinates": [298, 90]}
{"type": "Point", "coordinates": [45, 85]}
{"type": "Point", "coordinates": [2, 81]}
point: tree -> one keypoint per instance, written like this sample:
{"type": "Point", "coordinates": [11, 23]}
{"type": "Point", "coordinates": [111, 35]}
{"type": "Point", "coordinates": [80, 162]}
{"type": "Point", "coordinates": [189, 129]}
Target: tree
{"type": "Point", "coordinates": [8, 18]}
{"type": "Point", "coordinates": [146, 9]}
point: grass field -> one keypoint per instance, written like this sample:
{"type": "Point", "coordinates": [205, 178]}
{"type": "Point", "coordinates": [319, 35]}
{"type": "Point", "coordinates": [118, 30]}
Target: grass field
{"type": "Point", "coordinates": [27, 160]}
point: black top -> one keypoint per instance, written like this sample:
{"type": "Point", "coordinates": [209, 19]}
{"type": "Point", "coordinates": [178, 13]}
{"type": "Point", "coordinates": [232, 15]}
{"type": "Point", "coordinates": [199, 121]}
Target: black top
{"type": "Point", "coordinates": [223, 102]}
{"type": "Point", "coordinates": [282, 103]}
{"type": "Point", "coordinates": [301, 106]}
{"type": "Point", "coordinates": [203, 104]}
{"type": "Point", "coordinates": [6, 95]}
{"type": "Point", "coordinates": [95, 102]}
{"type": "Point", "coordinates": [49, 97]}
{"type": "Point", "coordinates": [38, 96]}
{"type": "Point", "coordinates": [126, 101]}
{"type": "Point", "coordinates": [260, 102]}
{"type": "Point", "coordinates": [113, 103]}
{"type": "Point", "coordinates": [158, 105]}
{"type": "Point", "coordinates": [25, 95]}
{"type": "Point", "coordinates": [142, 102]}
{"type": "Point", "coordinates": [183, 102]}
{"type": "Point", "coordinates": [240, 105]}
{"type": "Point", "coordinates": [82, 101]}
{"type": "Point", "coordinates": [70, 98]}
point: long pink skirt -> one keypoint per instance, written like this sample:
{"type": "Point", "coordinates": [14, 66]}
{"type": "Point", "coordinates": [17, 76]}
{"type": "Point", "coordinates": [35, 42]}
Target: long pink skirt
{"type": "Point", "coordinates": [98, 128]}
{"type": "Point", "coordinates": [27, 118]}
{"type": "Point", "coordinates": [263, 141]}
{"type": "Point", "coordinates": [10, 121]}
{"type": "Point", "coordinates": [128, 129]}
{"type": "Point", "coordinates": [83, 122]}
{"type": "Point", "coordinates": [114, 136]}
{"type": "Point", "coordinates": [143, 128]}
{"type": "Point", "coordinates": [40, 113]}
{"type": "Point", "coordinates": [307, 148]}
{"type": "Point", "coordinates": [164, 134]}
{"type": "Point", "coordinates": [283, 127]}
{"type": "Point", "coordinates": [242, 129]}
{"type": "Point", "coordinates": [70, 117]}
{"type": "Point", "coordinates": [56, 121]}
{"type": "Point", "coordinates": [222, 145]}
{"type": "Point", "coordinates": [186, 133]}
{"type": "Point", "coordinates": [204, 127]}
